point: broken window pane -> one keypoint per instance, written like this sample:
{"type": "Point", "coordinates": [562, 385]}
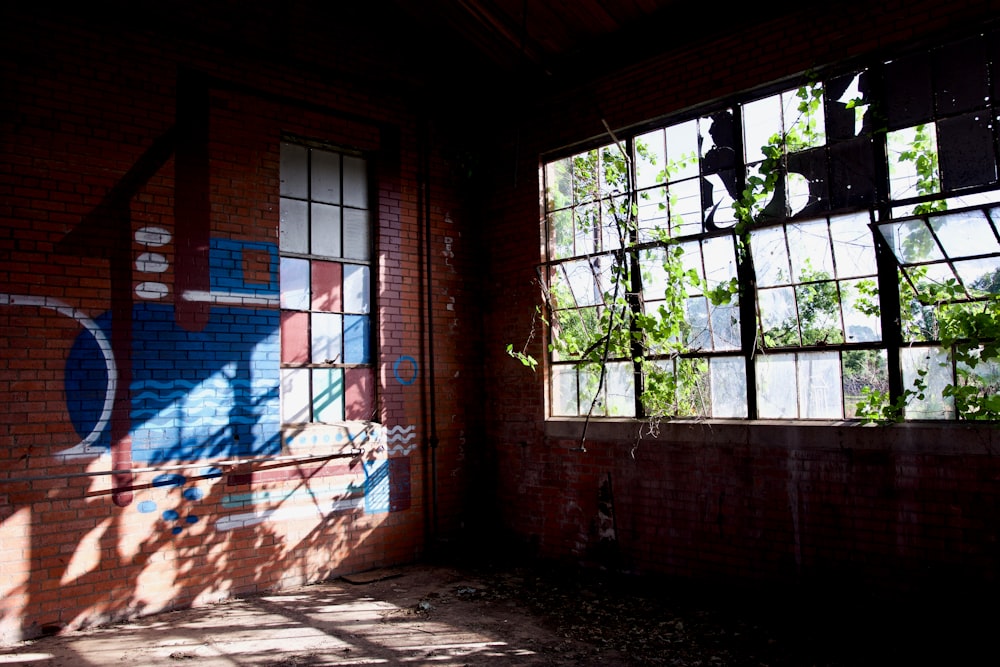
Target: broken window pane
{"type": "Point", "coordinates": [913, 162]}
{"type": "Point", "coordinates": [847, 104]}
{"type": "Point", "coordinates": [852, 174]}
{"type": "Point", "coordinates": [807, 187]}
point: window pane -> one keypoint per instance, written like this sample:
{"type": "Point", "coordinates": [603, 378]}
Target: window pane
{"type": "Point", "coordinates": [913, 159]}
{"type": "Point", "coordinates": [356, 285]}
{"type": "Point", "coordinates": [294, 168]}
{"type": "Point", "coordinates": [294, 226]}
{"type": "Point", "coordinates": [812, 258]}
{"type": "Point", "coordinates": [564, 391]}
{"type": "Point", "coordinates": [326, 339]}
{"type": "Point", "coordinates": [650, 159]}
{"type": "Point", "coordinates": [861, 311]}
{"type": "Point", "coordinates": [620, 383]}
{"type": "Point", "coordinates": [777, 391]}
{"type": "Point", "coordinates": [778, 318]}
{"type": "Point", "coordinates": [561, 234]}
{"type": "Point", "coordinates": [294, 338]}
{"type": "Point", "coordinates": [934, 363]}
{"type": "Point", "coordinates": [682, 151]}
{"type": "Point", "coordinates": [761, 122]}
{"type": "Point", "coordinates": [652, 213]}
{"type": "Point", "coordinates": [863, 369]}
{"type": "Point", "coordinates": [325, 230]}
{"type": "Point", "coordinates": [965, 234]}
{"type": "Point", "coordinates": [326, 286]}
{"type": "Point", "coordinates": [685, 209]}
{"type": "Point", "coordinates": [295, 398]}
{"type": "Point", "coordinates": [325, 177]}
{"type": "Point", "coordinates": [294, 283]}
{"type": "Point", "coordinates": [558, 184]}
{"type": "Point", "coordinates": [853, 246]}
{"type": "Point", "coordinates": [356, 339]}
{"type": "Point", "coordinates": [328, 394]}
{"type": "Point", "coordinates": [729, 387]}
{"type": "Point", "coordinates": [819, 386]}
{"type": "Point", "coordinates": [355, 182]}
{"type": "Point", "coordinates": [770, 257]}
{"type": "Point", "coordinates": [911, 242]}
{"type": "Point", "coordinates": [355, 234]}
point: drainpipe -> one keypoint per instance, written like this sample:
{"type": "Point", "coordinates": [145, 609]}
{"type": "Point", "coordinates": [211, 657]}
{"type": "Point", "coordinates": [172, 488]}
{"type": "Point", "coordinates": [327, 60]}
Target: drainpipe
{"type": "Point", "coordinates": [428, 387]}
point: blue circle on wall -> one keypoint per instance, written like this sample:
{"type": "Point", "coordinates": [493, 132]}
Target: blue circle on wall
{"type": "Point", "coordinates": [413, 369]}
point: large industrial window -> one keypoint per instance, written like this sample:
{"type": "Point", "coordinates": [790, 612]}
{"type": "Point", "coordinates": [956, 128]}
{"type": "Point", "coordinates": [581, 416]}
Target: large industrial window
{"type": "Point", "coordinates": [789, 255]}
{"type": "Point", "coordinates": [325, 283]}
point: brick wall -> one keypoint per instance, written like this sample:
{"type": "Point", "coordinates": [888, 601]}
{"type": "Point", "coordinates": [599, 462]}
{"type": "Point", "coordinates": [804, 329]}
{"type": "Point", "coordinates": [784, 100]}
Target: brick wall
{"type": "Point", "coordinates": [901, 508]}
{"type": "Point", "coordinates": [142, 461]}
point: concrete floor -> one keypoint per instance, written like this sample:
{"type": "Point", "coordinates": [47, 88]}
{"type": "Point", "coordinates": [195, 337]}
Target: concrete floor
{"type": "Point", "coordinates": [416, 615]}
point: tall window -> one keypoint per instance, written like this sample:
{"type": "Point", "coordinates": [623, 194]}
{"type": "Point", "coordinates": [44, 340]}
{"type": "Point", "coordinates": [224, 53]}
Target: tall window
{"type": "Point", "coordinates": [793, 255]}
{"type": "Point", "coordinates": [325, 245]}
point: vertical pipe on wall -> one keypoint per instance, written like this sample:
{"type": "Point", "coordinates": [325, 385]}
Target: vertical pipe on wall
{"type": "Point", "coordinates": [428, 388]}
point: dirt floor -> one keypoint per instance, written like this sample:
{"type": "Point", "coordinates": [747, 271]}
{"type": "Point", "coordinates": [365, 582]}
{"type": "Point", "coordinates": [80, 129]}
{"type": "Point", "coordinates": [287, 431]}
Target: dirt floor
{"type": "Point", "coordinates": [430, 614]}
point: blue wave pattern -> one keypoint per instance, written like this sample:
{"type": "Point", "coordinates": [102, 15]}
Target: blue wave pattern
{"type": "Point", "coordinates": [205, 394]}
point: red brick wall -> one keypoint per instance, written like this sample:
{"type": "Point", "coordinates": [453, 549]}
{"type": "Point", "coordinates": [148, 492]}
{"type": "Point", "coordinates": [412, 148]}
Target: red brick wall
{"type": "Point", "coordinates": [95, 147]}
{"type": "Point", "coordinates": [896, 508]}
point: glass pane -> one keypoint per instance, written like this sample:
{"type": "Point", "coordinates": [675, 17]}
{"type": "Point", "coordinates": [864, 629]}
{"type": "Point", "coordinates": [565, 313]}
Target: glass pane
{"type": "Point", "coordinates": [294, 283]}
{"type": "Point", "coordinates": [356, 234]}
{"type": "Point", "coordinates": [325, 230]}
{"type": "Point", "coordinates": [356, 338]}
{"type": "Point", "coordinates": [325, 177]}
{"type": "Point", "coordinates": [592, 401]}
{"type": "Point", "coordinates": [294, 337]}
{"type": "Point", "coordinates": [564, 391]}
{"type": "Point", "coordinates": [294, 226]}
{"type": "Point", "coordinates": [699, 336]}
{"type": "Point", "coordinates": [327, 283]}
{"type": "Point", "coordinates": [770, 256]}
{"type": "Point", "coordinates": [913, 158]}
{"type": "Point", "coordinates": [558, 184]}
{"type": "Point", "coordinates": [654, 277]}
{"type": "Point", "coordinates": [980, 276]}
{"type": "Point", "coordinates": [863, 369]}
{"type": "Point", "coordinates": [587, 221]}
{"type": "Point", "coordinates": [294, 167]}
{"type": "Point", "coordinates": [620, 382]}
{"type": "Point", "coordinates": [820, 386]}
{"type": "Point", "coordinates": [614, 172]}
{"type": "Point", "coordinates": [359, 393]}
{"type": "Point", "coordinates": [966, 151]}
{"type": "Point", "coordinates": [582, 283]}
{"type": "Point", "coordinates": [726, 327]}
{"type": "Point", "coordinates": [853, 246]}
{"type": "Point", "coordinates": [819, 313]}
{"type": "Point", "coordinates": [561, 234]}
{"type": "Point", "coordinates": [573, 332]}
{"type": "Point", "coordinates": [585, 178]}
{"type": "Point", "coordinates": [652, 213]}
{"type": "Point", "coordinates": [295, 395]}
{"type": "Point", "coordinates": [729, 387]}
{"type": "Point", "coordinates": [812, 258]}
{"type": "Point", "coordinates": [911, 242]}
{"type": "Point", "coordinates": [778, 317]}
{"type": "Point", "coordinates": [684, 199]}
{"type": "Point", "coordinates": [355, 182]}
{"type": "Point", "coordinates": [682, 151]}
{"type": "Point", "coordinates": [617, 223]}
{"type": "Point", "coordinates": [328, 395]}
{"type": "Point", "coordinates": [326, 338]}
{"type": "Point", "coordinates": [356, 289]}
{"type": "Point", "coordinates": [965, 234]}
{"type": "Point", "coordinates": [861, 311]}
{"type": "Point", "coordinates": [803, 117]}
{"type": "Point", "coordinates": [777, 391]}
{"type": "Point", "coordinates": [761, 122]}
{"type": "Point", "coordinates": [720, 260]}
{"type": "Point", "coordinates": [934, 363]}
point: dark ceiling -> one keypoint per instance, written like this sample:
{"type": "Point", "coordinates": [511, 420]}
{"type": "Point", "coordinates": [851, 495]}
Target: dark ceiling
{"type": "Point", "coordinates": [562, 40]}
